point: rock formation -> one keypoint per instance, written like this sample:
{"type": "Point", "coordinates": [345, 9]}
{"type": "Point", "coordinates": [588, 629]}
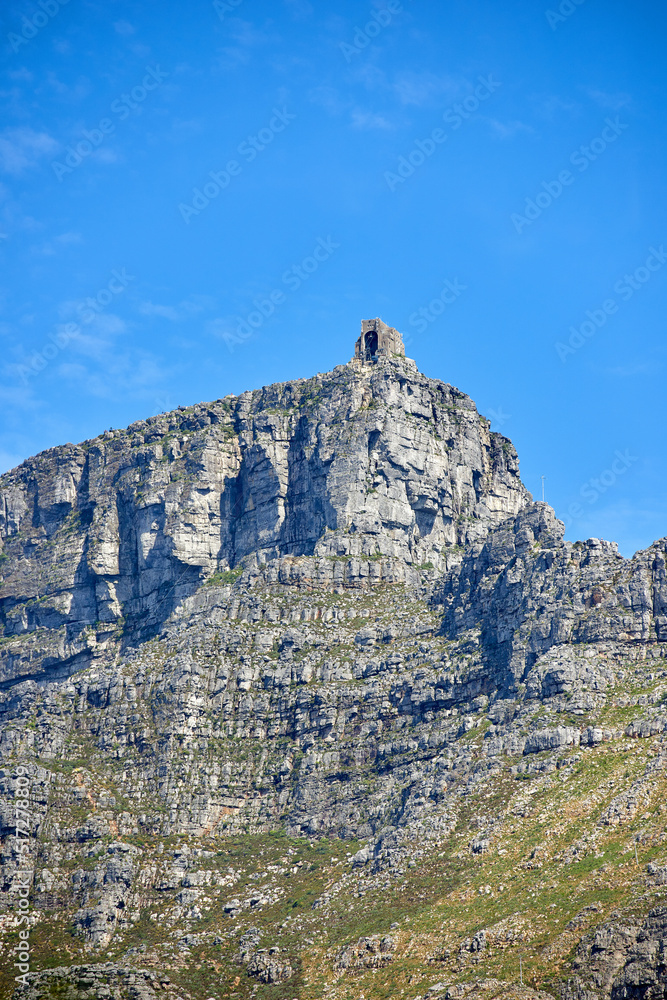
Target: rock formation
{"type": "Point", "coordinates": [359, 476]}
{"type": "Point", "coordinates": [308, 694]}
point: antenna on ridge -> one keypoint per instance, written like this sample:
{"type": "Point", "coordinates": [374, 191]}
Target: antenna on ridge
{"type": "Point", "coordinates": [543, 478]}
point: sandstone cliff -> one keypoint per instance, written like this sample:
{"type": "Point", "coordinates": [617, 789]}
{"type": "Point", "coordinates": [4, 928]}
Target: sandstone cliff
{"type": "Point", "coordinates": [361, 475]}
{"type": "Point", "coordinates": [313, 698]}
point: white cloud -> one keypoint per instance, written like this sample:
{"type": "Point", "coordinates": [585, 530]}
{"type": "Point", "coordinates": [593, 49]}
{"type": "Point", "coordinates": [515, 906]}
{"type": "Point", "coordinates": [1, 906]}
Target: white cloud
{"type": "Point", "coordinates": [106, 155]}
{"type": "Point", "coordinates": [68, 238]}
{"type": "Point", "coordinates": [638, 368]}
{"type": "Point", "coordinates": [51, 247]}
{"type": "Point", "coordinates": [507, 130]}
{"type": "Point", "coordinates": [613, 102]}
{"type": "Point", "coordinates": [185, 128]}
{"type": "Point", "coordinates": [177, 314]}
{"type": "Point", "coordinates": [421, 89]}
{"type": "Point", "coordinates": [367, 121]}
{"type": "Point", "coordinates": [220, 328]}
{"type": "Point", "coordinates": [72, 370]}
{"type": "Point", "coordinates": [23, 147]}
{"type": "Point", "coordinates": [124, 28]}
{"type": "Point", "coordinates": [328, 98]}
{"type": "Point", "coordinates": [123, 372]}
{"type": "Point", "coordinates": [334, 24]}
{"type": "Point", "coordinates": [247, 35]}
{"type": "Point", "coordinates": [553, 106]}
{"type": "Point", "coordinates": [153, 309]}
{"type": "Point", "coordinates": [332, 102]}
{"type": "Point", "coordinates": [74, 93]}
{"type": "Point", "coordinates": [247, 38]}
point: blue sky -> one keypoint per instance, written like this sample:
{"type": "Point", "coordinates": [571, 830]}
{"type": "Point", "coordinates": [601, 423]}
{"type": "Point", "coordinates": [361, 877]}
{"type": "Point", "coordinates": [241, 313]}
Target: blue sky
{"type": "Point", "coordinates": [202, 198]}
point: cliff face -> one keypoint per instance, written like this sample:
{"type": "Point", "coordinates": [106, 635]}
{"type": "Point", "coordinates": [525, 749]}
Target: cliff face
{"type": "Point", "coordinates": [527, 591]}
{"type": "Point", "coordinates": [358, 476]}
{"type": "Point", "coordinates": [312, 700]}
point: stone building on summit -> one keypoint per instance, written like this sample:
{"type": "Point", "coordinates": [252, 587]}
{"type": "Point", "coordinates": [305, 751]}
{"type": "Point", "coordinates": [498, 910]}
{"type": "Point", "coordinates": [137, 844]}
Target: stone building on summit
{"type": "Point", "coordinates": [377, 340]}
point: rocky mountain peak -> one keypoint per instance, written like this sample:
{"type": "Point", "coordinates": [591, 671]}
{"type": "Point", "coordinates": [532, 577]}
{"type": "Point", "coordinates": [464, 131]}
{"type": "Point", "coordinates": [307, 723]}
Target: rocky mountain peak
{"type": "Point", "coordinates": [302, 695]}
{"type": "Point", "coordinates": [361, 475]}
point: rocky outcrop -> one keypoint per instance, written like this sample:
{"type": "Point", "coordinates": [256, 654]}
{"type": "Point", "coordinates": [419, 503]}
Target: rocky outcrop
{"type": "Point", "coordinates": [623, 961]}
{"type": "Point", "coordinates": [327, 610]}
{"type": "Point", "coordinates": [104, 981]}
{"type": "Point", "coordinates": [267, 967]}
{"type": "Point", "coordinates": [105, 893]}
{"type": "Point", "coordinates": [367, 953]}
{"type": "Point", "coordinates": [528, 591]}
{"type": "Point", "coordinates": [366, 473]}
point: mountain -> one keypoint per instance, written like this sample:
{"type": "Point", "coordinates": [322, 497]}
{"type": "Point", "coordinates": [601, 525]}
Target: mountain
{"type": "Point", "coordinates": [303, 696]}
